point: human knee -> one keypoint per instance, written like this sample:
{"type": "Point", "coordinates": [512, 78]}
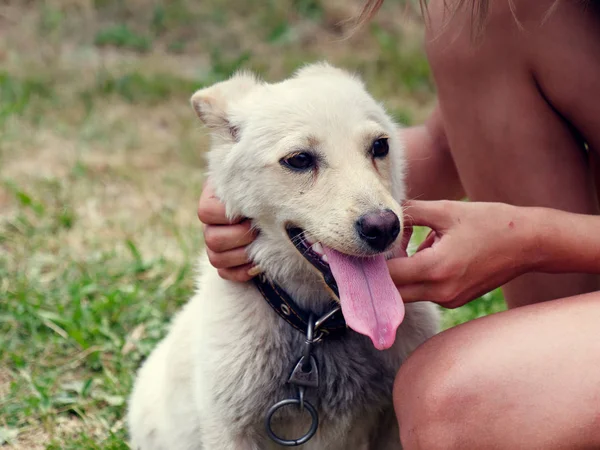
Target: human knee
{"type": "Point", "coordinates": [436, 394]}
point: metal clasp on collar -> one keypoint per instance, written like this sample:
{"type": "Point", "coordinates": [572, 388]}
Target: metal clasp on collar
{"type": "Point", "coordinates": [304, 375]}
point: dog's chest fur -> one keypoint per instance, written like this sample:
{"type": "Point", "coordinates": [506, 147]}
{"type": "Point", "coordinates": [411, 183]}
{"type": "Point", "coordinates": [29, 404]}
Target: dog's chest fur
{"type": "Point", "coordinates": [226, 361]}
{"type": "Point", "coordinates": [246, 370]}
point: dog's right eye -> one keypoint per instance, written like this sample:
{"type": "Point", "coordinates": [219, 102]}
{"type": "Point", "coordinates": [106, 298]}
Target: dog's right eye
{"type": "Point", "coordinates": [299, 161]}
{"type": "Point", "coordinates": [380, 148]}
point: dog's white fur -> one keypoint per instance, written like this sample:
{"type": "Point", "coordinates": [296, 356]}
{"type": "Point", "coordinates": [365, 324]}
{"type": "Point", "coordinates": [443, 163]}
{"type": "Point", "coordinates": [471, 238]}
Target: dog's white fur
{"type": "Point", "coordinates": [228, 355]}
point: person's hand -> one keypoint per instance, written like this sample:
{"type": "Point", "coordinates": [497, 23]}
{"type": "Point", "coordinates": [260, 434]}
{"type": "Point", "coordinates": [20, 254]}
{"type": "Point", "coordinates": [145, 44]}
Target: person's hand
{"type": "Point", "coordinates": [225, 240]}
{"type": "Point", "coordinates": [472, 249]}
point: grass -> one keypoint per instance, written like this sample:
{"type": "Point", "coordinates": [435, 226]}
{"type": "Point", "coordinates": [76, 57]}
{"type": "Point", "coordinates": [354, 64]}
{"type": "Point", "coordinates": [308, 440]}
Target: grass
{"type": "Point", "coordinates": [101, 166]}
{"type": "Point", "coordinates": [121, 36]}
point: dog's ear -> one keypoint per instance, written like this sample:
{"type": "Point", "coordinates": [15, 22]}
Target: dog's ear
{"type": "Point", "coordinates": [212, 104]}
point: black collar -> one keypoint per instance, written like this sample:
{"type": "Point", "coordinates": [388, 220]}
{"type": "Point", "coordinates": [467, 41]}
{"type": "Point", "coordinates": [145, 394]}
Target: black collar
{"type": "Point", "coordinates": [288, 310]}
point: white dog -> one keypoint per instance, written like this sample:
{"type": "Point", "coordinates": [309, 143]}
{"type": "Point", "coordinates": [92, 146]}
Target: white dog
{"type": "Point", "coordinates": [317, 165]}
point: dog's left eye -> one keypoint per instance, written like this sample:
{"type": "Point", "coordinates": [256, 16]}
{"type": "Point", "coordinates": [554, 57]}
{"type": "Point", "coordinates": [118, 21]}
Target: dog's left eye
{"type": "Point", "coordinates": [380, 148]}
{"type": "Point", "coordinates": [299, 161]}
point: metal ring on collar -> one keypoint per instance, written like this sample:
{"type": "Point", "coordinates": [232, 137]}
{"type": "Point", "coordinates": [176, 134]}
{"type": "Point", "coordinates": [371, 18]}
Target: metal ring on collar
{"type": "Point", "coordinates": [292, 442]}
{"type": "Point", "coordinates": [325, 317]}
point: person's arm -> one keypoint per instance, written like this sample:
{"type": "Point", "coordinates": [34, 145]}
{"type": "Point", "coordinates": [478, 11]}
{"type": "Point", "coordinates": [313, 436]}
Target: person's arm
{"type": "Point", "coordinates": [477, 247]}
{"type": "Point", "coordinates": [566, 242]}
{"type": "Point", "coordinates": [431, 171]}
{"type": "Point", "coordinates": [595, 167]}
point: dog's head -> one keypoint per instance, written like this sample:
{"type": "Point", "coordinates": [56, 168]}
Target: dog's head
{"type": "Point", "coordinates": [317, 164]}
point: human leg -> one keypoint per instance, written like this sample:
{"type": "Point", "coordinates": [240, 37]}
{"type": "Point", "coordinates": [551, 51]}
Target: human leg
{"type": "Point", "coordinates": [527, 378]}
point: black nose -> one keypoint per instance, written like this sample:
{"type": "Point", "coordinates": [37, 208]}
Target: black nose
{"type": "Point", "coordinates": [378, 229]}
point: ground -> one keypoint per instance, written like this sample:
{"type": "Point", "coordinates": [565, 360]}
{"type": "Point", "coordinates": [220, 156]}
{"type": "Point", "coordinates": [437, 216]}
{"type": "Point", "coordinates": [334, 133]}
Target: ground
{"type": "Point", "coordinates": [101, 166]}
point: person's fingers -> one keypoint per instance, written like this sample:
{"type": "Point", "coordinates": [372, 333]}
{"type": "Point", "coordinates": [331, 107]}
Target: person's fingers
{"type": "Point", "coordinates": [211, 210]}
{"type": "Point", "coordinates": [418, 292]}
{"type": "Point", "coordinates": [239, 274]}
{"type": "Point", "coordinates": [440, 293]}
{"type": "Point", "coordinates": [407, 232]}
{"type": "Point", "coordinates": [229, 259]}
{"type": "Point", "coordinates": [399, 250]}
{"type": "Point", "coordinates": [431, 238]}
{"type": "Point", "coordinates": [220, 238]}
{"type": "Point", "coordinates": [432, 214]}
{"type": "Point", "coordinates": [413, 269]}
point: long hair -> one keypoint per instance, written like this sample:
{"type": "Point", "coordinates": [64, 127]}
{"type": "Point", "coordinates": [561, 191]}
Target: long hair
{"type": "Point", "coordinates": [478, 9]}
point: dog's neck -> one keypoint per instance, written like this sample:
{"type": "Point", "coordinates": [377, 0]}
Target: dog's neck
{"type": "Point", "coordinates": [283, 265]}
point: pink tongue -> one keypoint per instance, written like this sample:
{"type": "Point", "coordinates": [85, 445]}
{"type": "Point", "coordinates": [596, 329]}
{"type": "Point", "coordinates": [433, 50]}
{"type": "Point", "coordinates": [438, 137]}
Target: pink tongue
{"type": "Point", "coordinates": [370, 301]}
